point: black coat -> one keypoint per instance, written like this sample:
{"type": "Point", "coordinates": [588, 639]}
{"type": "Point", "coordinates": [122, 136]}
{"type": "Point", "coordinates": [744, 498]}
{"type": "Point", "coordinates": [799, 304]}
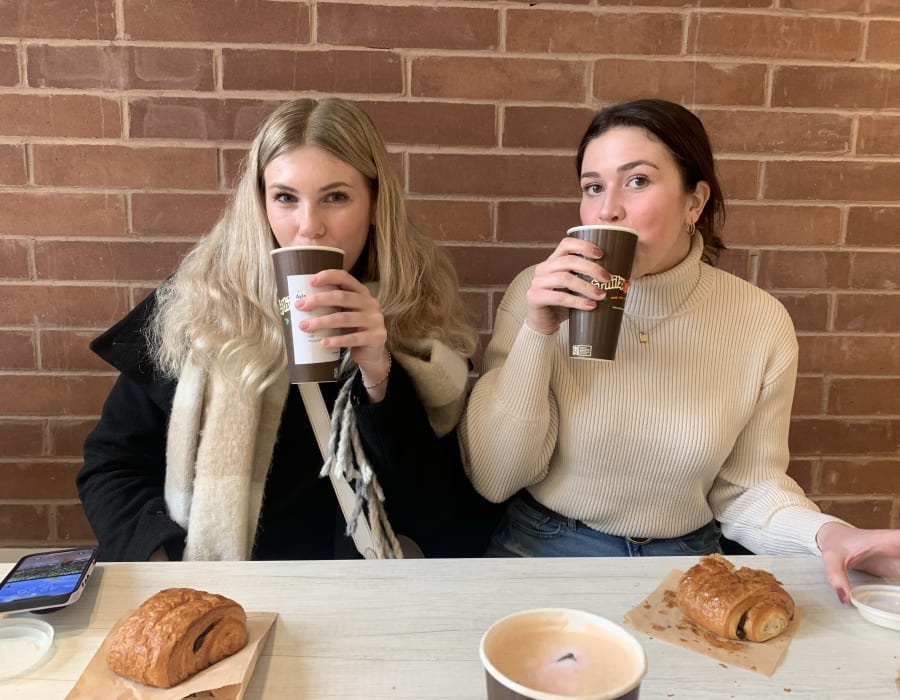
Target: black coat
{"type": "Point", "coordinates": [427, 495]}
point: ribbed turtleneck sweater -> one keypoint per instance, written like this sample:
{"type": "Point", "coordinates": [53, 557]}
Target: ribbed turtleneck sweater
{"type": "Point", "coordinates": [689, 426]}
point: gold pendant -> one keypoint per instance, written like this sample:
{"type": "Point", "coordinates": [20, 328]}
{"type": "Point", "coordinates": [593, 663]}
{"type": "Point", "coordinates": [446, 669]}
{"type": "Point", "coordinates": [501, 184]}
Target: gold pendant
{"type": "Point", "coordinates": [643, 336]}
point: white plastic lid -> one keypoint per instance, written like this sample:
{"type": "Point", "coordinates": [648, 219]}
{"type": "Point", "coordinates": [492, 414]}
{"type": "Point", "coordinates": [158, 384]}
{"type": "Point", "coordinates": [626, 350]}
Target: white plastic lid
{"type": "Point", "coordinates": [24, 642]}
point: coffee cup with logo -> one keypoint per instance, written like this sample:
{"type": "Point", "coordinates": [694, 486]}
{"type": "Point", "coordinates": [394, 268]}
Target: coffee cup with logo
{"type": "Point", "coordinates": [308, 361]}
{"type": "Point", "coordinates": [594, 334]}
{"type": "Point", "coordinates": [561, 654]}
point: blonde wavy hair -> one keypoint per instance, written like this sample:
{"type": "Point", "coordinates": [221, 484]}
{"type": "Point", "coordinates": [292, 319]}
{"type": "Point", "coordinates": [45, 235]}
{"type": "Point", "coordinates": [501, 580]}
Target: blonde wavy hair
{"type": "Point", "coordinates": [219, 309]}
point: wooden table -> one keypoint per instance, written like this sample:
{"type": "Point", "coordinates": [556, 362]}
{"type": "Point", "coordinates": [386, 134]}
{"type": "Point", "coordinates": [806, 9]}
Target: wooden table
{"type": "Point", "coordinates": [410, 630]}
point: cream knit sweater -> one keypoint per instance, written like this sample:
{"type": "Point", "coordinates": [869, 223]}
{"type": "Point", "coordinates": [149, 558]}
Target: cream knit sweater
{"type": "Point", "coordinates": [691, 426]}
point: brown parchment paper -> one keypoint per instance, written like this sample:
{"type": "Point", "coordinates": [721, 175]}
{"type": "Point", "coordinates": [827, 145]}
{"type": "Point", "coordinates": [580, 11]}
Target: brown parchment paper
{"type": "Point", "coordinates": [225, 680]}
{"type": "Point", "coordinates": [659, 617]}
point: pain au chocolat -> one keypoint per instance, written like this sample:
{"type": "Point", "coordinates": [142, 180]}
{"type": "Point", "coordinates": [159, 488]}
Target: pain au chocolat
{"type": "Point", "coordinates": [744, 603]}
{"type": "Point", "coordinates": [175, 634]}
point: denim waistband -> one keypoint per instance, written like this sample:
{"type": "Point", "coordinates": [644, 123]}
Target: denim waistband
{"type": "Point", "coordinates": [531, 501]}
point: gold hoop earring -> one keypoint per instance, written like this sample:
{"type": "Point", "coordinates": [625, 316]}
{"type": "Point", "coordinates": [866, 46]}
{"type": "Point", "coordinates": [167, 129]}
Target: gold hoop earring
{"type": "Point", "coordinates": [691, 229]}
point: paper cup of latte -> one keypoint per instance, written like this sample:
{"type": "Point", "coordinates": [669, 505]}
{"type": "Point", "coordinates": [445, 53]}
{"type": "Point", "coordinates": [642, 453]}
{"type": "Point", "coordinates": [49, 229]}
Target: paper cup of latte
{"type": "Point", "coordinates": [308, 361]}
{"type": "Point", "coordinates": [561, 654]}
{"type": "Point", "coordinates": [594, 334]}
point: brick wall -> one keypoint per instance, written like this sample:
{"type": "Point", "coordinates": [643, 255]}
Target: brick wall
{"type": "Point", "coordinates": [122, 123]}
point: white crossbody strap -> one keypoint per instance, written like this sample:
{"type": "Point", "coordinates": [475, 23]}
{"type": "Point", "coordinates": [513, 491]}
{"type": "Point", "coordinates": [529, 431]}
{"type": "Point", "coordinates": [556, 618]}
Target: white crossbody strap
{"type": "Point", "coordinates": [321, 423]}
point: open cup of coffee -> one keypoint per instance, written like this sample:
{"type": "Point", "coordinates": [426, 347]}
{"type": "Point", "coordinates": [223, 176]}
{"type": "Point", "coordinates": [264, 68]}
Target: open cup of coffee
{"type": "Point", "coordinates": [561, 654]}
{"type": "Point", "coordinates": [308, 361]}
{"type": "Point", "coordinates": [594, 334]}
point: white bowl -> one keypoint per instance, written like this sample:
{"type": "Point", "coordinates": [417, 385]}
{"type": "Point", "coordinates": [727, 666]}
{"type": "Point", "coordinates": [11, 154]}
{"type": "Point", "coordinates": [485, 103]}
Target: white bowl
{"type": "Point", "coordinates": [878, 603]}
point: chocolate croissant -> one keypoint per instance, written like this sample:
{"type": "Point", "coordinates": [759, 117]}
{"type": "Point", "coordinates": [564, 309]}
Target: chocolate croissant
{"type": "Point", "coordinates": [176, 633]}
{"type": "Point", "coordinates": [734, 603]}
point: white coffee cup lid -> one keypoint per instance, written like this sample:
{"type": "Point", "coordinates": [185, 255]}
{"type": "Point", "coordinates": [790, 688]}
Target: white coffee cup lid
{"type": "Point", "coordinates": [24, 642]}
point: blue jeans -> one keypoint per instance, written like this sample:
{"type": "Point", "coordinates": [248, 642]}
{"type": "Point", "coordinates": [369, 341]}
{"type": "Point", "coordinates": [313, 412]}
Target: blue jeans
{"type": "Point", "coordinates": [527, 532]}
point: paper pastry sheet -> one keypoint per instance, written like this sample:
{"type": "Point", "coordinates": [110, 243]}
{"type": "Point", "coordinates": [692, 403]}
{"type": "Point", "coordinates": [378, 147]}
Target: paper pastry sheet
{"type": "Point", "coordinates": [225, 680]}
{"type": "Point", "coordinates": [659, 617]}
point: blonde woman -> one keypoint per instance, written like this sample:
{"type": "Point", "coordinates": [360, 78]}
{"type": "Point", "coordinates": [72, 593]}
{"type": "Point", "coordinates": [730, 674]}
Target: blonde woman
{"type": "Point", "coordinates": [203, 452]}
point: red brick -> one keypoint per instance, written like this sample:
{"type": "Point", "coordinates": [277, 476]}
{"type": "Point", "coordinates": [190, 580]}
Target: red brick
{"type": "Point", "coordinates": [803, 269]}
{"type": "Point", "coordinates": [21, 438]}
{"type": "Point", "coordinates": [864, 397]}
{"type": "Point", "coordinates": [233, 163]}
{"type": "Point", "coordinates": [884, 7]}
{"type": "Point", "coordinates": [869, 513]}
{"type": "Point", "coordinates": [871, 313]}
{"type": "Point", "coordinates": [830, 6]}
{"type": "Point", "coordinates": [559, 32]}
{"type": "Point", "coordinates": [878, 135]}
{"type": "Point", "coordinates": [504, 175]}
{"type": "Point", "coordinates": [23, 524]}
{"type": "Point", "coordinates": [434, 123]}
{"type": "Point", "coordinates": [739, 178]}
{"type": "Point", "coordinates": [775, 36]}
{"type": "Point", "coordinates": [68, 350]}
{"type": "Point", "coordinates": [883, 40]}
{"type": "Point", "coordinates": [832, 180]}
{"type": "Point", "coordinates": [9, 65]}
{"type": "Point", "coordinates": [493, 265]}
{"type": "Point", "coordinates": [453, 220]}
{"type": "Point", "coordinates": [120, 166]}
{"type": "Point", "coordinates": [875, 226]}
{"type": "Point", "coordinates": [72, 525]}
{"type": "Point", "coordinates": [545, 127]}
{"type": "Point", "coordinates": [740, 4]}
{"type": "Point", "coordinates": [17, 350]}
{"type": "Point", "coordinates": [768, 224]}
{"type": "Point", "coordinates": [804, 473]}
{"type": "Point", "coordinates": [234, 22]}
{"type": "Point", "coordinates": [57, 214]}
{"type": "Point", "coordinates": [175, 214]}
{"type": "Point", "coordinates": [544, 222]}
{"type": "Point", "coordinates": [324, 71]}
{"type": "Point", "coordinates": [808, 311]}
{"type": "Point", "coordinates": [476, 305]}
{"type": "Point", "coordinates": [561, 2]}
{"type": "Point", "coordinates": [38, 480]}
{"type": "Point", "coordinates": [847, 87]}
{"type": "Point", "coordinates": [120, 67]}
{"type": "Point", "coordinates": [78, 260]}
{"type": "Point", "coordinates": [67, 437]}
{"type": "Point", "coordinates": [737, 262]}
{"type": "Point", "coordinates": [12, 165]}
{"type": "Point", "coordinates": [13, 258]}
{"type": "Point", "coordinates": [81, 116]}
{"type": "Point", "coordinates": [776, 132]}
{"type": "Point", "coordinates": [808, 396]}
{"type": "Point", "coordinates": [58, 19]}
{"type": "Point", "coordinates": [850, 355]}
{"type": "Point", "coordinates": [54, 395]}
{"type": "Point", "coordinates": [66, 305]}
{"type": "Point", "coordinates": [498, 78]}
{"type": "Point", "coordinates": [686, 82]}
{"type": "Point", "coordinates": [831, 436]}
{"type": "Point", "coordinates": [197, 118]}
{"type": "Point", "coordinates": [865, 476]}
{"type": "Point", "coordinates": [879, 271]}
{"type": "Point", "coordinates": [376, 26]}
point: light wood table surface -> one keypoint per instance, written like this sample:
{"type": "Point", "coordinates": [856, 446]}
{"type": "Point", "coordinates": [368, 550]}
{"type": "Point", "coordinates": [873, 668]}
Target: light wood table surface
{"type": "Point", "coordinates": [409, 630]}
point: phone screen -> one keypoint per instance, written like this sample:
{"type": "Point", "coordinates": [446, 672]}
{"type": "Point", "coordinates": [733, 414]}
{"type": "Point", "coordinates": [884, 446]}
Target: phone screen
{"type": "Point", "coordinates": [48, 578]}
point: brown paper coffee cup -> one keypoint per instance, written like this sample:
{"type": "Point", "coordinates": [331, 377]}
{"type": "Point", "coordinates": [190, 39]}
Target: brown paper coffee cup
{"type": "Point", "coordinates": [308, 361]}
{"type": "Point", "coordinates": [556, 653]}
{"type": "Point", "coordinates": [594, 335]}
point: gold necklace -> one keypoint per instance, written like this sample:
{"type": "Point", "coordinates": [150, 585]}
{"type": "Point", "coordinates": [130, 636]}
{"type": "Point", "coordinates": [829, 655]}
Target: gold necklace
{"type": "Point", "coordinates": [644, 333]}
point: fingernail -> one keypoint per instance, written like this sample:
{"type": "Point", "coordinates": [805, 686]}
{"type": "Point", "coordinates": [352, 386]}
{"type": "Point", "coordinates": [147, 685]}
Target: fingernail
{"type": "Point", "coordinates": [597, 252]}
{"type": "Point", "coordinates": [299, 303]}
{"type": "Point", "coordinates": [842, 595]}
{"type": "Point", "coordinates": [304, 325]}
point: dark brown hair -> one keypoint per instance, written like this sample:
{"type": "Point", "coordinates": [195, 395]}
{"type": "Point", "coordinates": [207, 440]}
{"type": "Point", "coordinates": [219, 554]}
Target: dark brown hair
{"type": "Point", "coordinates": [683, 134]}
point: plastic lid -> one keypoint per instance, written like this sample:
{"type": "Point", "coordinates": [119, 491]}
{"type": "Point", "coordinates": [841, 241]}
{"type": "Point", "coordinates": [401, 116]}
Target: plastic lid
{"type": "Point", "coordinates": [878, 603]}
{"type": "Point", "coordinates": [24, 642]}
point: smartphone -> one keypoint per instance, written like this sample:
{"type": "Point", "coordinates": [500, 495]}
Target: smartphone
{"type": "Point", "coordinates": [46, 581]}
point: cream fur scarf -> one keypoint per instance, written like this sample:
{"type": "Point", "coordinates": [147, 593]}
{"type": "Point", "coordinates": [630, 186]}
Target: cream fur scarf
{"type": "Point", "coordinates": [220, 442]}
